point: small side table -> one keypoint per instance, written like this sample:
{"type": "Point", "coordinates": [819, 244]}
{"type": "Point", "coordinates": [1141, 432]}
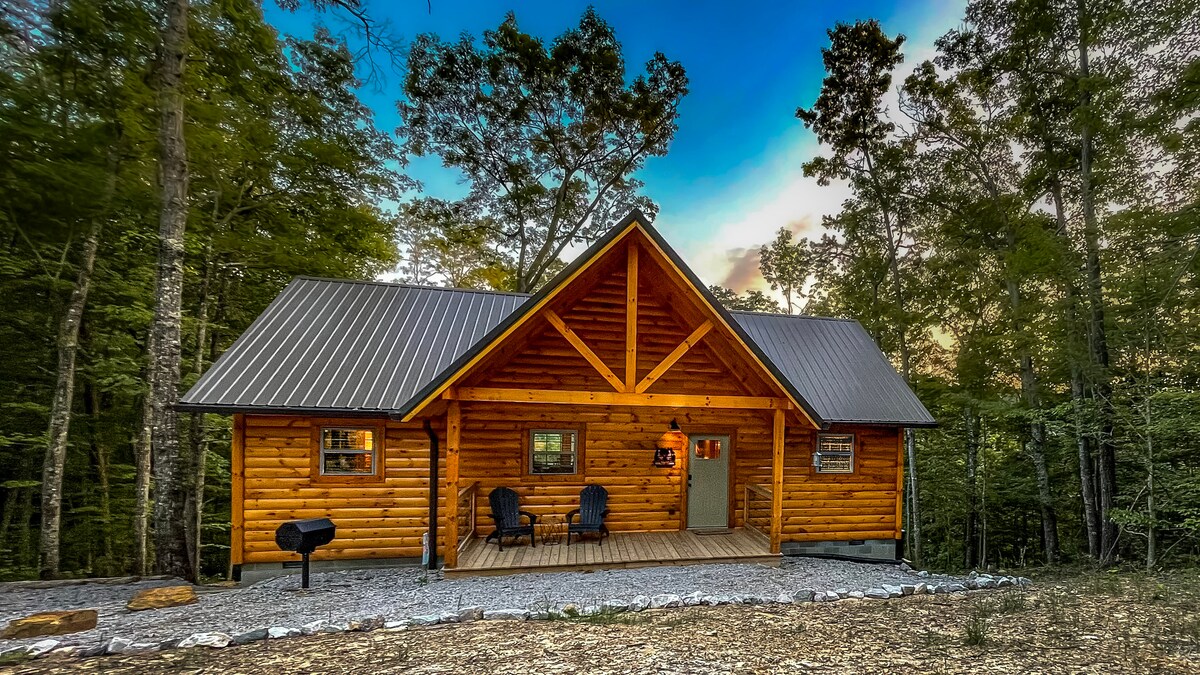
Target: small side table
{"type": "Point", "coordinates": [551, 529]}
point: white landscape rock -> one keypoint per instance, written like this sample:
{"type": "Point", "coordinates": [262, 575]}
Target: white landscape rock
{"type": "Point", "coordinates": [276, 632]}
{"type": "Point", "coordinates": [214, 640]}
{"type": "Point", "coordinates": [639, 603]}
{"type": "Point", "coordinates": [425, 620]}
{"type": "Point", "coordinates": [41, 647]}
{"type": "Point", "coordinates": [615, 605]}
{"type": "Point", "coordinates": [877, 594]}
{"type": "Point", "coordinates": [857, 595]}
{"type": "Point", "coordinates": [893, 591]}
{"type": "Point", "coordinates": [506, 615]}
{"type": "Point", "coordinates": [120, 645]}
{"type": "Point", "coordinates": [314, 627]}
{"type": "Point", "coordinates": [250, 636]}
{"type": "Point", "coordinates": [664, 600]}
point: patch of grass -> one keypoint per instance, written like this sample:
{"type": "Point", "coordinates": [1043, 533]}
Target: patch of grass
{"type": "Point", "coordinates": [608, 618]}
{"type": "Point", "coordinates": [1003, 603]}
{"type": "Point", "coordinates": [976, 629]}
{"type": "Point", "coordinates": [14, 658]}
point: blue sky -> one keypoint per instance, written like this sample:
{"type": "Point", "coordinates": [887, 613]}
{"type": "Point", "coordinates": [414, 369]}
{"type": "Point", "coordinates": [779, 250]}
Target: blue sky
{"type": "Point", "coordinates": [732, 176]}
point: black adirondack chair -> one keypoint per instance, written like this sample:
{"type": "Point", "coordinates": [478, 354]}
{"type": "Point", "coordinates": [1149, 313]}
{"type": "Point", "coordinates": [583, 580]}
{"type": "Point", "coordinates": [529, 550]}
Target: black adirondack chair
{"type": "Point", "coordinates": [507, 514]}
{"type": "Point", "coordinates": [593, 507]}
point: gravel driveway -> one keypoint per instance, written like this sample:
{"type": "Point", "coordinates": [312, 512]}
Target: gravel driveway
{"type": "Point", "coordinates": [405, 592]}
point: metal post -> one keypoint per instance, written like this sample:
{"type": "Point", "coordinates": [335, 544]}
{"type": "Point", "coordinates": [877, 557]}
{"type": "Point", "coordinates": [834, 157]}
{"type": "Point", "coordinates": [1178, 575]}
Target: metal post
{"type": "Point", "coordinates": [433, 495]}
{"type": "Point", "coordinates": [304, 573]}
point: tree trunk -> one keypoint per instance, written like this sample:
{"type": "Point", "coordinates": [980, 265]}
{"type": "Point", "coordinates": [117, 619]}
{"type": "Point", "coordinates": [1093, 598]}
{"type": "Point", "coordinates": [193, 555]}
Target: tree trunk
{"type": "Point", "coordinates": [1098, 341]}
{"type": "Point", "coordinates": [60, 409]}
{"type": "Point", "coordinates": [170, 483]}
{"type": "Point", "coordinates": [141, 510]}
{"type": "Point", "coordinates": [1087, 487]}
{"type": "Point", "coordinates": [971, 421]}
{"type": "Point", "coordinates": [102, 455]}
{"type": "Point", "coordinates": [914, 505]}
{"type": "Point", "coordinates": [1037, 427]}
{"type": "Point", "coordinates": [197, 438]}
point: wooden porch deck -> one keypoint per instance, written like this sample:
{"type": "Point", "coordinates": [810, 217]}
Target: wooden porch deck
{"type": "Point", "coordinates": [620, 550]}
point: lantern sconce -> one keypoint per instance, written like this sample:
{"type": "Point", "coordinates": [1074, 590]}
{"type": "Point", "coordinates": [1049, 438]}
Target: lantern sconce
{"type": "Point", "coordinates": [669, 445]}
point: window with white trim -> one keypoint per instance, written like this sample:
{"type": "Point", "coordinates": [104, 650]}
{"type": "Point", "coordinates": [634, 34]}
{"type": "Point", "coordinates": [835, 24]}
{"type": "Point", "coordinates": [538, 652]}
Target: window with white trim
{"type": "Point", "coordinates": [553, 452]}
{"type": "Point", "coordinates": [835, 453]}
{"type": "Point", "coordinates": [347, 451]}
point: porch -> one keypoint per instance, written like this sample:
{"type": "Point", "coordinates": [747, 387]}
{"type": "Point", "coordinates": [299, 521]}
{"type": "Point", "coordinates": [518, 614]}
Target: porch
{"type": "Point", "coordinates": [620, 550]}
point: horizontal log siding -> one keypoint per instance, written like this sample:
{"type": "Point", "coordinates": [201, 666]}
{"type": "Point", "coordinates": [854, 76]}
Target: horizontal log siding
{"type": "Point", "coordinates": [374, 520]}
{"type": "Point", "coordinates": [839, 507]}
{"type": "Point", "coordinates": [618, 454]}
{"type": "Point", "coordinates": [545, 360]}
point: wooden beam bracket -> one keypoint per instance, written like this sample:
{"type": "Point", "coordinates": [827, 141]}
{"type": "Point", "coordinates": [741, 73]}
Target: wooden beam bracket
{"type": "Point", "coordinates": [674, 356]}
{"type": "Point", "coordinates": [587, 353]}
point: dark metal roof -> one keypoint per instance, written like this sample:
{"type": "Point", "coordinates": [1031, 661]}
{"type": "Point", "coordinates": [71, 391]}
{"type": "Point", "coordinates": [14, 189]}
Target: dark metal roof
{"type": "Point", "coordinates": [836, 367]}
{"type": "Point", "coordinates": [348, 347]}
{"type": "Point", "coordinates": [341, 347]}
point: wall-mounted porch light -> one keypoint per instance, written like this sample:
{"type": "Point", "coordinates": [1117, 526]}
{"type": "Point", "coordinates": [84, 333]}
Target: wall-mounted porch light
{"type": "Point", "coordinates": [669, 445]}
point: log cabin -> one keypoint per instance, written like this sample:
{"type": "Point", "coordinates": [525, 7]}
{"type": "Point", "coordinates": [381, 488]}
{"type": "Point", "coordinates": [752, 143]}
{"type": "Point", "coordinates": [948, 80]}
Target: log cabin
{"type": "Point", "coordinates": [720, 436]}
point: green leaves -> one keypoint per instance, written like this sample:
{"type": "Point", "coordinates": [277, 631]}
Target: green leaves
{"type": "Point", "coordinates": [548, 136]}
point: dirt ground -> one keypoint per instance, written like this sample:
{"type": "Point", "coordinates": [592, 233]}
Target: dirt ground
{"type": "Point", "coordinates": [1097, 624]}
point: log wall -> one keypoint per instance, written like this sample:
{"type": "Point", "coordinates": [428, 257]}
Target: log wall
{"type": "Point", "coordinates": [386, 519]}
{"type": "Point", "coordinates": [375, 519]}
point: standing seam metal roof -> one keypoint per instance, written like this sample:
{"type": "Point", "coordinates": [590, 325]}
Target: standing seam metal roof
{"type": "Point", "coordinates": [354, 347]}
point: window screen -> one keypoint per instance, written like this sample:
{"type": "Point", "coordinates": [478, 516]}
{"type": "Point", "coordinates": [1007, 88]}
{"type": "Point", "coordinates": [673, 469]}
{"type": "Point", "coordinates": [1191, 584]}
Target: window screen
{"type": "Point", "coordinates": [553, 451]}
{"type": "Point", "coordinates": [835, 453]}
{"type": "Point", "coordinates": [347, 451]}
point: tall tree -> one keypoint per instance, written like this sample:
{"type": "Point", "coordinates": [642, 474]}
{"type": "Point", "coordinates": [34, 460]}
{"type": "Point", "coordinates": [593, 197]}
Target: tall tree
{"type": "Point", "coordinates": [848, 118]}
{"type": "Point", "coordinates": [787, 265]}
{"type": "Point", "coordinates": [548, 136]}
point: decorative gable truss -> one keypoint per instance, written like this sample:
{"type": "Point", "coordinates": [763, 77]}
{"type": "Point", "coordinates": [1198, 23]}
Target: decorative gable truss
{"type": "Point", "coordinates": [625, 327]}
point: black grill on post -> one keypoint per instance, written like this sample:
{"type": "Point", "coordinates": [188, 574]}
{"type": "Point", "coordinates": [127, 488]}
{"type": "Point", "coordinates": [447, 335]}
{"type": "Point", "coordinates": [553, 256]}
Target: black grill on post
{"type": "Point", "coordinates": [303, 537]}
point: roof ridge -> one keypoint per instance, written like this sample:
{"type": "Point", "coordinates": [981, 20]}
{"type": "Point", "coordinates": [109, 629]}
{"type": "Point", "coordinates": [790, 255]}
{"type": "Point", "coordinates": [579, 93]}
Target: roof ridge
{"type": "Point", "coordinates": [400, 284]}
{"type": "Point", "coordinates": [793, 316]}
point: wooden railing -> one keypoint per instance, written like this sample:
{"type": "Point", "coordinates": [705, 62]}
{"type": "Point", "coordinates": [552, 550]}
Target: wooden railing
{"type": "Point", "coordinates": [756, 509]}
{"type": "Point", "coordinates": [466, 514]}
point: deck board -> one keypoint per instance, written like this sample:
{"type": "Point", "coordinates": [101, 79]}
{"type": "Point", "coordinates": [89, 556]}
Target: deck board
{"type": "Point", "coordinates": [620, 550]}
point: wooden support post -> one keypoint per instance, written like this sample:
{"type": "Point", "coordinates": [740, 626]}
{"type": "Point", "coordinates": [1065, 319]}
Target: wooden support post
{"type": "Point", "coordinates": [631, 317]}
{"type": "Point", "coordinates": [899, 482]}
{"type": "Point", "coordinates": [237, 493]}
{"type": "Point", "coordinates": [453, 445]}
{"type": "Point", "coordinates": [777, 480]}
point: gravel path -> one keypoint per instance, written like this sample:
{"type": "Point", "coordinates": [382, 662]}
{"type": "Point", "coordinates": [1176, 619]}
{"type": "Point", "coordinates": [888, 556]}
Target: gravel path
{"type": "Point", "coordinates": [404, 592]}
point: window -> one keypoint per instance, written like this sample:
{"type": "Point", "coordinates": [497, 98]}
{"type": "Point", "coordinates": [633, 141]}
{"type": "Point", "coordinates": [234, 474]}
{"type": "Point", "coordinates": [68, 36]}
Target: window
{"type": "Point", "coordinates": [835, 453]}
{"type": "Point", "coordinates": [553, 452]}
{"type": "Point", "coordinates": [347, 451]}
{"type": "Point", "coordinates": [708, 448]}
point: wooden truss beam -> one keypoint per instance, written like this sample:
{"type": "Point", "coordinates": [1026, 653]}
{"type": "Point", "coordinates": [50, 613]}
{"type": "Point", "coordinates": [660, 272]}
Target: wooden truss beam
{"type": "Point", "coordinates": [580, 346]}
{"type": "Point", "coordinates": [674, 356]}
{"type": "Point", "coordinates": [619, 398]}
{"type": "Point", "coordinates": [631, 317]}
